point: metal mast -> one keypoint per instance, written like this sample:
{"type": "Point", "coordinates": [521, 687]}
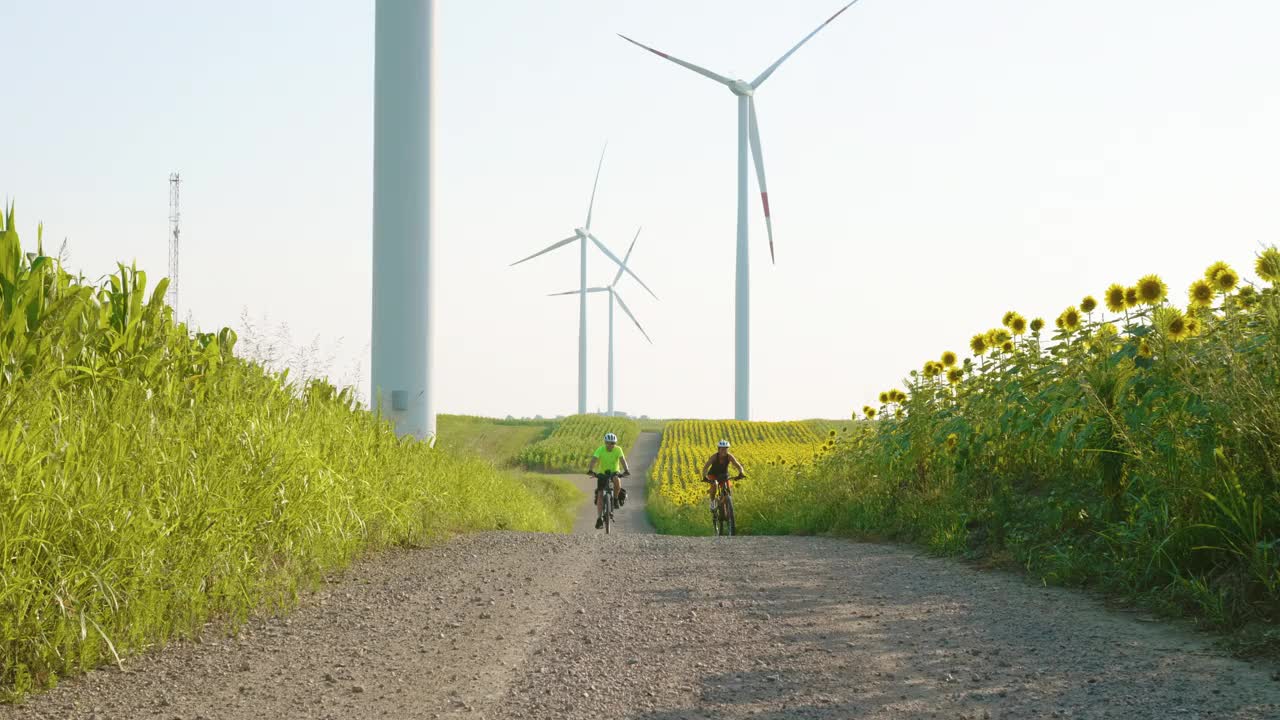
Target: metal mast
{"type": "Point", "coordinates": [174, 233]}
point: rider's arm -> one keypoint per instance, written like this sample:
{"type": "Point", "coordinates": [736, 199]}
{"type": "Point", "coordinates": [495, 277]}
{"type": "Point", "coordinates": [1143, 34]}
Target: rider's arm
{"type": "Point", "coordinates": [734, 460]}
{"type": "Point", "coordinates": [592, 465]}
{"type": "Point", "coordinates": [625, 467]}
{"type": "Point", "coordinates": [705, 467]}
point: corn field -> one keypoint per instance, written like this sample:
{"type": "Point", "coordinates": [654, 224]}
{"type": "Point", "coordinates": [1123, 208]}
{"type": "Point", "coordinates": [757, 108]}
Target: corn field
{"type": "Point", "coordinates": [570, 445]}
{"type": "Point", "coordinates": [151, 480]}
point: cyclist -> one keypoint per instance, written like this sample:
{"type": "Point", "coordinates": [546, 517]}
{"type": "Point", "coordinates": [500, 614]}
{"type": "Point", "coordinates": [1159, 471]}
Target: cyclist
{"type": "Point", "coordinates": [716, 469]}
{"type": "Point", "coordinates": [610, 456]}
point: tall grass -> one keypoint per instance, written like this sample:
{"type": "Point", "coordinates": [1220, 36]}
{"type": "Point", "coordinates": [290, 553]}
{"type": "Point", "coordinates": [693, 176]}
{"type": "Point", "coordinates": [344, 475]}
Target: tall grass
{"type": "Point", "coordinates": [150, 480]}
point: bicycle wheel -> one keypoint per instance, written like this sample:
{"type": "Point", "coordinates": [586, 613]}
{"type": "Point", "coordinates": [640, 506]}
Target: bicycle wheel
{"type": "Point", "coordinates": [728, 511]}
{"type": "Point", "coordinates": [608, 511]}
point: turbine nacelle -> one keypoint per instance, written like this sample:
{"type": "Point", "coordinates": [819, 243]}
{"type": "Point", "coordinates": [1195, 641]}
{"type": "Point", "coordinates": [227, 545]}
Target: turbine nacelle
{"type": "Point", "coordinates": [741, 88]}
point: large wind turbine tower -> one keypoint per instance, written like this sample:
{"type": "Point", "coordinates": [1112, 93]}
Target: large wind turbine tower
{"type": "Point", "coordinates": [403, 186]}
{"type": "Point", "coordinates": [748, 137]}
{"type": "Point", "coordinates": [174, 232]}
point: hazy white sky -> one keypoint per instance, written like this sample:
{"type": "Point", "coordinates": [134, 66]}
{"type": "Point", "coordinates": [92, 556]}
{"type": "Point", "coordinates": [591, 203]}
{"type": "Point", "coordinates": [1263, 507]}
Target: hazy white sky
{"type": "Point", "coordinates": [931, 164]}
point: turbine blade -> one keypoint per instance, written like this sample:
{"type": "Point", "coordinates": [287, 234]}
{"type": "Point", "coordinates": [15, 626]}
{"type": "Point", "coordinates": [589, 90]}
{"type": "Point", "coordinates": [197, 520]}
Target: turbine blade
{"type": "Point", "coordinates": [595, 184]}
{"type": "Point", "coordinates": [621, 264]}
{"type": "Point", "coordinates": [562, 243]}
{"type": "Point", "coordinates": [626, 258]}
{"type": "Point", "coordinates": [765, 75]}
{"type": "Point", "coordinates": [700, 70]}
{"type": "Point", "coordinates": [627, 310]}
{"type": "Point", "coordinates": [764, 189]}
{"type": "Point", "coordinates": [575, 292]}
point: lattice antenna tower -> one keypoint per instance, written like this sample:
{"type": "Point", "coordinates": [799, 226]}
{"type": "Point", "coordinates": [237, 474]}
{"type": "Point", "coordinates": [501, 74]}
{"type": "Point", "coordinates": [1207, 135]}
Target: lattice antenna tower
{"type": "Point", "coordinates": [174, 234]}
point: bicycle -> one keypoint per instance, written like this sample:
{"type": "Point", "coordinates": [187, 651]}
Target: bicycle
{"type": "Point", "coordinates": [606, 495]}
{"type": "Point", "coordinates": [722, 520]}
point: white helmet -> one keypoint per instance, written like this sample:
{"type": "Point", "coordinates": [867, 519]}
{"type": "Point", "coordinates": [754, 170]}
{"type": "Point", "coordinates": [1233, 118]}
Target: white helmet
{"type": "Point", "coordinates": [724, 443]}
{"type": "Point", "coordinates": [610, 438]}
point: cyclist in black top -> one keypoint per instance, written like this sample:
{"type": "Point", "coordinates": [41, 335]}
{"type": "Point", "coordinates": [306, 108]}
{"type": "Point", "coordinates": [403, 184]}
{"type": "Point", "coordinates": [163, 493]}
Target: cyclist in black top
{"type": "Point", "coordinates": [716, 468]}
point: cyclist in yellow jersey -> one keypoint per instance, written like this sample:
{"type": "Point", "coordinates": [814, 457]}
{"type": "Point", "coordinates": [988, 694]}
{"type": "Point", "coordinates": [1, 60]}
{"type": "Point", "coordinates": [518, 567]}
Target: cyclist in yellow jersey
{"type": "Point", "coordinates": [610, 457]}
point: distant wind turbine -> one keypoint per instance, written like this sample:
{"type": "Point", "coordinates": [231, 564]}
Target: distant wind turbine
{"type": "Point", "coordinates": [747, 132]}
{"type": "Point", "coordinates": [583, 235]}
{"type": "Point", "coordinates": [613, 295]}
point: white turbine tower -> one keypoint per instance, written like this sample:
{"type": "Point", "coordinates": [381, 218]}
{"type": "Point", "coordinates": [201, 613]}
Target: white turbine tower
{"type": "Point", "coordinates": [613, 295]}
{"type": "Point", "coordinates": [747, 132]}
{"type": "Point", "coordinates": [583, 236]}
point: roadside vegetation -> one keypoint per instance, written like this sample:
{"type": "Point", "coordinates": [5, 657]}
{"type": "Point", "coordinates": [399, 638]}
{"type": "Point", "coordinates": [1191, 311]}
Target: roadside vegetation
{"type": "Point", "coordinates": [498, 440]}
{"type": "Point", "coordinates": [151, 480]}
{"type": "Point", "coordinates": [1131, 445]}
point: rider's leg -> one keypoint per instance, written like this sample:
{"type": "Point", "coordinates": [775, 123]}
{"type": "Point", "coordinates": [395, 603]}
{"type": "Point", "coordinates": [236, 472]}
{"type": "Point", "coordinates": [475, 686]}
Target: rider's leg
{"type": "Point", "coordinates": [617, 489]}
{"type": "Point", "coordinates": [599, 505]}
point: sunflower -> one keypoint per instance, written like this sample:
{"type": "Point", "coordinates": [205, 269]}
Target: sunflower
{"type": "Point", "coordinates": [948, 359]}
{"type": "Point", "coordinates": [1200, 293]}
{"type": "Point", "coordinates": [897, 395]}
{"type": "Point", "coordinates": [1268, 265]}
{"type": "Point", "coordinates": [1131, 297]}
{"type": "Point", "coordinates": [870, 412]}
{"type": "Point", "coordinates": [1152, 290]}
{"type": "Point", "coordinates": [978, 344]}
{"type": "Point", "coordinates": [932, 369]}
{"type": "Point", "coordinates": [1226, 280]}
{"type": "Point", "coordinates": [1008, 318]}
{"type": "Point", "coordinates": [1088, 304]}
{"type": "Point", "coordinates": [1194, 326]}
{"type": "Point", "coordinates": [951, 442]}
{"type": "Point", "coordinates": [1211, 273]}
{"type": "Point", "coordinates": [1247, 296]}
{"type": "Point", "coordinates": [1070, 319]}
{"type": "Point", "coordinates": [1037, 325]}
{"type": "Point", "coordinates": [1106, 331]}
{"type": "Point", "coordinates": [955, 375]}
{"type": "Point", "coordinates": [884, 398]}
{"type": "Point", "coordinates": [1175, 324]}
{"type": "Point", "coordinates": [1006, 346]}
{"type": "Point", "coordinates": [1018, 325]}
{"type": "Point", "coordinates": [1115, 298]}
{"type": "Point", "coordinates": [1144, 349]}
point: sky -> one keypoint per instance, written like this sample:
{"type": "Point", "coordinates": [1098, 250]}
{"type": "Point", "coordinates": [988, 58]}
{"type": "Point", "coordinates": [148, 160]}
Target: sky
{"type": "Point", "coordinates": [931, 164]}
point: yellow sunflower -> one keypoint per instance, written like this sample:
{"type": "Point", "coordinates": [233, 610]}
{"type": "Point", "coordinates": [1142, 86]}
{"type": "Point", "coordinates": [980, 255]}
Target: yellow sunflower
{"type": "Point", "coordinates": [1037, 325]}
{"type": "Point", "coordinates": [1008, 318]}
{"type": "Point", "coordinates": [1070, 319]}
{"type": "Point", "coordinates": [1200, 293]}
{"type": "Point", "coordinates": [1006, 346]}
{"type": "Point", "coordinates": [1088, 304]}
{"type": "Point", "coordinates": [870, 412]}
{"type": "Point", "coordinates": [1226, 280]}
{"type": "Point", "coordinates": [1131, 297]}
{"type": "Point", "coordinates": [951, 442]}
{"type": "Point", "coordinates": [1152, 290]}
{"type": "Point", "coordinates": [948, 359]}
{"type": "Point", "coordinates": [884, 398]}
{"type": "Point", "coordinates": [978, 344]}
{"type": "Point", "coordinates": [1018, 325]}
{"type": "Point", "coordinates": [1175, 325]}
{"type": "Point", "coordinates": [1194, 326]}
{"type": "Point", "coordinates": [1211, 273]}
{"type": "Point", "coordinates": [1144, 349]}
{"type": "Point", "coordinates": [1247, 296]}
{"type": "Point", "coordinates": [955, 375]}
{"type": "Point", "coordinates": [1115, 298]}
{"type": "Point", "coordinates": [1268, 265]}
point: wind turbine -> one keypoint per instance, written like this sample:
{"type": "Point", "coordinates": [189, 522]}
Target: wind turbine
{"type": "Point", "coordinates": [747, 132]}
{"type": "Point", "coordinates": [583, 236]}
{"type": "Point", "coordinates": [613, 295]}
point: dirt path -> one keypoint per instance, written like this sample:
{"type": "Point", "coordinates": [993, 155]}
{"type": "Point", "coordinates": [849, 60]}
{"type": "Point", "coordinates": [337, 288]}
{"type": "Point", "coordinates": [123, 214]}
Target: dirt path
{"type": "Point", "coordinates": [631, 519]}
{"type": "Point", "coordinates": [508, 625]}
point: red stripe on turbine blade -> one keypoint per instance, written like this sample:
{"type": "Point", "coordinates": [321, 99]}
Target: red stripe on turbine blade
{"type": "Point", "coordinates": [764, 196]}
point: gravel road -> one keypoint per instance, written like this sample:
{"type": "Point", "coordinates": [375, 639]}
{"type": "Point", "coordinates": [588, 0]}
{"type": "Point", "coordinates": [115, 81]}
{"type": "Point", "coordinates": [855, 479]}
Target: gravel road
{"type": "Point", "coordinates": [512, 625]}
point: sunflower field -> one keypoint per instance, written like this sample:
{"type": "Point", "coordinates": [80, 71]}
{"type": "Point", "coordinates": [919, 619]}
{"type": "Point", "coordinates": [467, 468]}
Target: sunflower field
{"type": "Point", "coordinates": [152, 480]}
{"type": "Point", "coordinates": [1131, 444]}
{"type": "Point", "coordinates": [770, 452]}
{"type": "Point", "coordinates": [570, 445]}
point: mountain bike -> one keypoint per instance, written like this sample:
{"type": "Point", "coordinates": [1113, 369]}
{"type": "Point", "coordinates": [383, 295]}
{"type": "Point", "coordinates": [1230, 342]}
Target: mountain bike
{"type": "Point", "coordinates": [606, 495]}
{"type": "Point", "coordinates": [722, 521]}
